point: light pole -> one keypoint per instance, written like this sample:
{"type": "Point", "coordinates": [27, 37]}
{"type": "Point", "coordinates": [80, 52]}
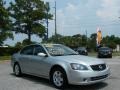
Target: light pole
{"type": "Point", "coordinates": [86, 38]}
{"type": "Point", "coordinates": [55, 20]}
{"type": "Point", "coordinates": [47, 25]}
{"type": "Point", "coordinates": [47, 21]}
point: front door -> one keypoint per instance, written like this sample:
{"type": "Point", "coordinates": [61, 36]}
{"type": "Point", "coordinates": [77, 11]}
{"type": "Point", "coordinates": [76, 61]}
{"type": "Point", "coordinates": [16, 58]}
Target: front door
{"type": "Point", "coordinates": [40, 64]}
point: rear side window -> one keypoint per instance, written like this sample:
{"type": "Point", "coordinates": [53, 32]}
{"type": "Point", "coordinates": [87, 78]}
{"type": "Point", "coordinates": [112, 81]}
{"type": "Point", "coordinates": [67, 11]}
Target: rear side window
{"type": "Point", "coordinates": [38, 49]}
{"type": "Point", "coordinates": [27, 51]}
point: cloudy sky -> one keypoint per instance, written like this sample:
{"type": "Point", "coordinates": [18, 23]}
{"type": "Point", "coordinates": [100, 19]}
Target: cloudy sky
{"type": "Point", "coordinates": [77, 16]}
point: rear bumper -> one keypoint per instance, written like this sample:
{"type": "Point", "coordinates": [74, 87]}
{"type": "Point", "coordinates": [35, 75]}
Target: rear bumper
{"type": "Point", "coordinates": [88, 77]}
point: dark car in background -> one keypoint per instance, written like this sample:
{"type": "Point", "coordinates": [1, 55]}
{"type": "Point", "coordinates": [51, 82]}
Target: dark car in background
{"type": "Point", "coordinates": [104, 52]}
{"type": "Point", "coordinates": [82, 51]}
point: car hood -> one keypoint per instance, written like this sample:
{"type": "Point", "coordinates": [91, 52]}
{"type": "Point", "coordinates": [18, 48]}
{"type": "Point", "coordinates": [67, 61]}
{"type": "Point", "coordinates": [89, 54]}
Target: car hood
{"type": "Point", "coordinates": [79, 59]}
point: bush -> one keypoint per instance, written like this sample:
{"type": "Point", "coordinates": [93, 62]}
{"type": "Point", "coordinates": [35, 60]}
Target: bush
{"type": "Point", "coordinates": [8, 51]}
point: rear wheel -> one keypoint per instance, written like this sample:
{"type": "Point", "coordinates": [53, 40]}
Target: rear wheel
{"type": "Point", "coordinates": [17, 70]}
{"type": "Point", "coordinates": [59, 78]}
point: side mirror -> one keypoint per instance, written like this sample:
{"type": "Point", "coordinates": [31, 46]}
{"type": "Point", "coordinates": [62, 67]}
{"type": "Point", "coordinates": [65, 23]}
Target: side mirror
{"type": "Point", "coordinates": [42, 54]}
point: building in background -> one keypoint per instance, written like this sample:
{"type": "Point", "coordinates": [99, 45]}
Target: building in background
{"type": "Point", "coordinates": [117, 48]}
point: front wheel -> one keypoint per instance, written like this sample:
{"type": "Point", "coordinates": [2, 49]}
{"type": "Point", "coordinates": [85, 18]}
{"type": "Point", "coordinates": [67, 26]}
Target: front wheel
{"type": "Point", "coordinates": [17, 70]}
{"type": "Point", "coordinates": [110, 56]}
{"type": "Point", "coordinates": [59, 78]}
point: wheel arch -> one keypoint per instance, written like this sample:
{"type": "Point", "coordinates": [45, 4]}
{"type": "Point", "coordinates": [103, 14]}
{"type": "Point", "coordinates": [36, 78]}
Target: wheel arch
{"type": "Point", "coordinates": [57, 66]}
{"type": "Point", "coordinates": [15, 64]}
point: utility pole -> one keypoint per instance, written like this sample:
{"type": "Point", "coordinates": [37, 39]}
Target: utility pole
{"type": "Point", "coordinates": [47, 22]}
{"type": "Point", "coordinates": [47, 25]}
{"type": "Point", "coordinates": [55, 21]}
{"type": "Point", "coordinates": [86, 38]}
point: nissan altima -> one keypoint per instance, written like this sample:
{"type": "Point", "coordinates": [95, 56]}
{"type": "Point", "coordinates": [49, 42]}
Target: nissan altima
{"type": "Point", "coordinates": [60, 64]}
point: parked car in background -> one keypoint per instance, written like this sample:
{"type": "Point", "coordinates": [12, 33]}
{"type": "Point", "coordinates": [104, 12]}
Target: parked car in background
{"type": "Point", "coordinates": [60, 64]}
{"type": "Point", "coordinates": [82, 51]}
{"type": "Point", "coordinates": [104, 52]}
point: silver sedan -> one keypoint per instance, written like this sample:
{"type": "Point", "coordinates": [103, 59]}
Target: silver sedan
{"type": "Point", "coordinates": [60, 64]}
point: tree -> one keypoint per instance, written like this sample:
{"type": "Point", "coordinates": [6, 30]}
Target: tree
{"type": "Point", "coordinates": [54, 39]}
{"type": "Point", "coordinates": [92, 42]}
{"type": "Point", "coordinates": [71, 41]}
{"type": "Point", "coordinates": [26, 42]}
{"type": "Point", "coordinates": [27, 16]}
{"type": "Point", "coordinates": [5, 26]}
{"type": "Point", "coordinates": [18, 45]}
{"type": "Point", "coordinates": [111, 41]}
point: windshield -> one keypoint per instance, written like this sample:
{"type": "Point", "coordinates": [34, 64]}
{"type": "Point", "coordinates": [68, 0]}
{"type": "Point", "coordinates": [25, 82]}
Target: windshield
{"type": "Point", "coordinates": [59, 50]}
{"type": "Point", "coordinates": [81, 48]}
{"type": "Point", "coordinates": [104, 48]}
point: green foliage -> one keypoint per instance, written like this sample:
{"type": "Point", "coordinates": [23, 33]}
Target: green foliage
{"type": "Point", "coordinates": [92, 41]}
{"type": "Point", "coordinates": [5, 23]}
{"type": "Point", "coordinates": [28, 15]}
{"type": "Point", "coordinates": [111, 41]}
{"type": "Point", "coordinates": [8, 51]}
{"type": "Point", "coordinates": [71, 41]}
{"type": "Point", "coordinates": [5, 58]}
{"type": "Point", "coordinates": [18, 45]}
{"type": "Point", "coordinates": [23, 43]}
{"type": "Point", "coordinates": [81, 40]}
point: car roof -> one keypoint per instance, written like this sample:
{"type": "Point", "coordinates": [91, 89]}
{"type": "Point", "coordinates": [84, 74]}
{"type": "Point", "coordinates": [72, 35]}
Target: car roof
{"type": "Point", "coordinates": [42, 44]}
{"type": "Point", "coordinates": [49, 44]}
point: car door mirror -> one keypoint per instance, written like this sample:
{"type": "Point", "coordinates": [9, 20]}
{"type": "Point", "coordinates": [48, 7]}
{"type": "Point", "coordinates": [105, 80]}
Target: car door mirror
{"type": "Point", "coordinates": [42, 54]}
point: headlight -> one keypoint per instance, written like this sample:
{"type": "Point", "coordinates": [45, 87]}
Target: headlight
{"type": "Point", "coordinates": [85, 50]}
{"type": "Point", "coordinates": [76, 66]}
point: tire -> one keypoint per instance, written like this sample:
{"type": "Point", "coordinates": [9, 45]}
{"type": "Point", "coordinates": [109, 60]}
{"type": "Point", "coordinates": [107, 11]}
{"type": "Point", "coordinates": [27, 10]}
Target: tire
{"type": "Point", "coordinates": [59, 78]}
{"type": "Point", "coordinates": [110, 56]}
{"type": "Point", "coordinates": [17, 70]}
{"type": "Point", "coordinates": [99, 56]}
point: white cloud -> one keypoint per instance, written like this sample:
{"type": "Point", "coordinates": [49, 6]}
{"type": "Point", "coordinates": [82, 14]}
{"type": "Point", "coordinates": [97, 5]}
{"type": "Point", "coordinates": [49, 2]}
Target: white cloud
{"type": "Point", "coordinates": [67, 17]}
{"type": "Point", "coordinates": [110, 9]}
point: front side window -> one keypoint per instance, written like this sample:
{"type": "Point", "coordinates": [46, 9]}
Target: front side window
{"type": "Point", "coordinates": [27, 51]}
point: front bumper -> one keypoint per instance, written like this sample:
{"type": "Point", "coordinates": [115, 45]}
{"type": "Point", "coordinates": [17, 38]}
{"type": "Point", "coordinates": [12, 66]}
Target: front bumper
{"type": "Point", "coordinates": [87, 77]}
{"type": "Point", "coordinates": [105, 54]}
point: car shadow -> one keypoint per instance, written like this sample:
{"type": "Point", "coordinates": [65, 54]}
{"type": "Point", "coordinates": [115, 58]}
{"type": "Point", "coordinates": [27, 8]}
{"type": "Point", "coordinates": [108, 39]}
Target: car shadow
{"type": "Point", "coordinates": [34, 79]}
{"type": "Point", "coordinates": [88, 87]}
{"type": "Point", "coordinates": [38, 80]}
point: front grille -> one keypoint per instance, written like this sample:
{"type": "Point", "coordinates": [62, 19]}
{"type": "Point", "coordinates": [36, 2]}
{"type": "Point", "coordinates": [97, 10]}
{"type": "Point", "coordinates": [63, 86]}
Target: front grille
{"type": "Point", "coordinates": [105, 53]}
{"type": "Point", "coordinates": [99, 77]}
{"type": "Point", "coordinates": [98, 67]}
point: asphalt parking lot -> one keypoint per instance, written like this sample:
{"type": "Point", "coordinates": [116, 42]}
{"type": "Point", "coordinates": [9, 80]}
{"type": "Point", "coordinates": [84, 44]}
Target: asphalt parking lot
{"type": "Point", "coordinates": [10, 82]}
